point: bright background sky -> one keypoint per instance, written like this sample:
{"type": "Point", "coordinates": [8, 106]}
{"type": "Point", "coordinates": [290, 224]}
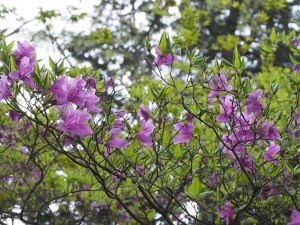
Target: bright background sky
{"type": "Point", "coordinates": [28, 9]}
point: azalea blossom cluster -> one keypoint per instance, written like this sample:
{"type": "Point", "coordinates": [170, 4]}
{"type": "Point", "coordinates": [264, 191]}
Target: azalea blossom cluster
{"type": "Point", "coordinates": [245, 127]}
{"type": "Point", "coordinates": [25, 61]}
{"type": "Point", "coordinates": [68, 90]}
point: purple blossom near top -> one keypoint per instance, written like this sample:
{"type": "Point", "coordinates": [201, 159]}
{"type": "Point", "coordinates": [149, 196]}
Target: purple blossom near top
{"type": "Point", "coordinates": [67, 90]}
{"type": "Point", "coordinates": [144, 112]}
{"type": "Point", "coordinates": [163, 59]}
{"type": "Point", "coordinates": [185, 133]}
{"type": "Point", "coordinates": [74, 122]}
{"type": "Point", "coordinates": [227, 107]}
{"type": "Point", "coordinates": [227, 212]}
{"type": "Point", "coordinates": [272, 150]}
{"type": "Point", "coordinates": [115, 141]}
{"type": "Point", "coordinates": [295, 218]}
{"type": "Point", "coordinates": [25, 61]}
{"type": "Point", "coordinates": [218, 84]}
{"type": "Point", "coordinates": [253, 103]}
{"type": "Point", "coordinates": [4, 90]}
{"type": "Point", "coordinates": [24, 49]}
{"type": "Point", "coordinates": [145, 134]}
{"type": "Point", "coordinates": [296, 68]}
{"type": "Point", "coordinates": [14, 115]}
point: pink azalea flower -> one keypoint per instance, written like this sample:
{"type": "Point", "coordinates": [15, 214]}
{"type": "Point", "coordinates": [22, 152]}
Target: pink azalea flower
{"type": "Point", "coordinates": [4, 91]}
{"type": "Point", "coordinates": [268, 131]}
{"type": "Point", "coordinates": [119, 119]}
{"type": "Point", "coordinates": [139, 169]}
{"type": "Point", "coordinates": [115, 141]}
{"type": "Point", "coordinates": [163, 59]}
{"type": "Point", "coordinates": [296, 117]}
{"type": "Point", "coordinates": [91, 100]}
{"type": "Point", "coordinates": [295, 42]}
{"type": "Point", "coordinates": [67, 90]}
{"type": "Point", "coordinates": [95, 206]}
{"type": "Point", "coordinates": [125, 217]}
{"type": "Point", "coordinates": [213, 179]}
{"type": "Point", "coordinates": [15, 116]}
{"type": "Point", "coordinates": [227, 107]}
{"type": "Point", "coordinates": [90, 83]}
{"type": "Point", "coordinates": [295, 218]}
{"type": "Point", "coordinates": [74, 122]}
{"type": "Point", "coordinates": [79, 198]}
{"type": "Point", "coordinates": [145, 134]}
{"type": "Point", "coordinates": [218, 84]}
{"type": "Point", "coordinates": [253, 104]}
{"type": "Point", "coordinates": [243, 135]}
{"type": "Point", "coordinates": [185, 132]}
{"type": "Point", "coordinates": [272, 150]}
{"type": "Point", "coordinates": [110, 84]}
{"type": "Point", "coordinates": [144, 112]}
{"type": "Point", "coordinates": [24, 49]}
{"type": "Point", "coordinates": [247, 163]}
{"type": "Point", "coordinates": [244, 121]}
{"type": "Point", "coordinates": [227, 212]}
{"type": "Point", "coordinates": [269, 190]}
{"type": "Point", "coordinates": [25, 60]}
{"type": "Point", "coordinates": [296, 68]}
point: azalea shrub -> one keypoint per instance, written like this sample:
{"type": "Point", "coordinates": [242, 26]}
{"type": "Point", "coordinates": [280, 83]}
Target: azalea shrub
{"type": "Point", "coordinates": [192, 144]}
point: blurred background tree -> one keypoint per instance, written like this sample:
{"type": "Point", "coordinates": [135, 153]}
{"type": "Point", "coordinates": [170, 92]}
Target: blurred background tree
{"type": "Point", "coordinates": [114, 42]}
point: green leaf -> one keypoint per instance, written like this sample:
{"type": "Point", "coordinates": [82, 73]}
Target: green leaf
{"type": "Point", "coordinates": [147, 44]}
{"type": "Point", "coordinates": [13, 66]}
{"type": "Point", "coordinates": [165, 44]}
{"type": "Point", "coordinates": [52, 64]}
{"type": "Point", "coordinates": [136, 91]}
{"type": "Point", "coordinates": [177, 152]}
{"type": "Point", "coordinates": [47, 81]}
{"type": "Point", "coordinates": [293, 60]}
{"type": "Point", "coordinates": [273, 35]}
{"type": "Point", "coordinates": [194, 188]}
{"type": "Point", "coordinates": [227, 63]}
{"type": "Point", "coordinates": [237, 62]}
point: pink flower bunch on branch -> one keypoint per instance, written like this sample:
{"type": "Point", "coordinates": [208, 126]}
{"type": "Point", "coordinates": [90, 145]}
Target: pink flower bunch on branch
{"type": "Point", "coordinates": [245, 127]}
